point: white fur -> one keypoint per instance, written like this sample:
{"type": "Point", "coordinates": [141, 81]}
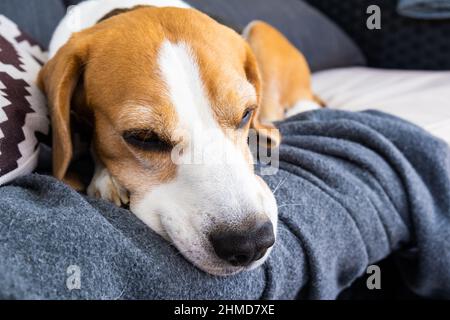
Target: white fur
{"type": "Point", "coordinates": [302, 106]}
{"type": "Point", "coordinates": [86, 14]}
{"type": "Point", "coordinates": [104, 186]}
{"type": "Point", "coordinates": [248, 28]}
{"type": "Point", "coordinates": [219, 190]}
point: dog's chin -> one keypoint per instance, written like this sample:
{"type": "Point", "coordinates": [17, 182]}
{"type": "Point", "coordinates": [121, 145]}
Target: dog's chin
{"type": "Point", "coordinates": [223, 269]}
{"type": "Point", "coordinates": [228, 270]}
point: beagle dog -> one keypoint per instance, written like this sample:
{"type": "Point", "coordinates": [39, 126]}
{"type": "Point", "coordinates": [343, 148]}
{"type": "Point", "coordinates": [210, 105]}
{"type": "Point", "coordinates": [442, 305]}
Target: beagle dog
{"type": "Point", "coordinates": [171, 96]}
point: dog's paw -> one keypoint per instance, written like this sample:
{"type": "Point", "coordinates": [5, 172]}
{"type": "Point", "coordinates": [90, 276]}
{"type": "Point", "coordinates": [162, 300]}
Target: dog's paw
{"type": "Point", "coordinates": [104, 186]}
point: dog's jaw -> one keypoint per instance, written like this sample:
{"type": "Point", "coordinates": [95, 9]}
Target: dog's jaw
{"type": "Point", "coordinates": [184, 214]}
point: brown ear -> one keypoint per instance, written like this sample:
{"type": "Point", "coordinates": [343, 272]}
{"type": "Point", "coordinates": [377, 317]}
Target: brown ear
{"type": "Point", "coordinates": [58, 80]}
{"type": "Point", "coordinates": [268, 135]}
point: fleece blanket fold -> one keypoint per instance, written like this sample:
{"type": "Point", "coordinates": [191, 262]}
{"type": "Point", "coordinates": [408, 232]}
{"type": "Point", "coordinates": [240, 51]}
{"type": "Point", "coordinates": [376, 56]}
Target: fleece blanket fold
{"type": "Point", "coordinates": [352, 189]}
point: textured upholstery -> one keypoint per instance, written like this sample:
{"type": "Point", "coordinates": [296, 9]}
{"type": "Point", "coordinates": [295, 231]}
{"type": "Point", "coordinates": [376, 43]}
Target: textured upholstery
{"type": "Point", "coordinates": [403, 43]}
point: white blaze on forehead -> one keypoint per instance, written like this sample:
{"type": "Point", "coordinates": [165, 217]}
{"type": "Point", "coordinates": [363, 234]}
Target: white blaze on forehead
{"type": "Point", "coordinates": [181, 74]}
{"type": "Point", "coordinates": [205, 141]}
{"type": "Point", "coordinates": [209, 158]}
{"type": "Point", "coordinates": [218, 164]}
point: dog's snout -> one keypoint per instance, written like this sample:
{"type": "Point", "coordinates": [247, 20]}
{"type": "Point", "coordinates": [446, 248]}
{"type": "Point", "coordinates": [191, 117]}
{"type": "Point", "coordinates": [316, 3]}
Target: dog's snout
{"type": "Point", "coordinates": [244, 247]}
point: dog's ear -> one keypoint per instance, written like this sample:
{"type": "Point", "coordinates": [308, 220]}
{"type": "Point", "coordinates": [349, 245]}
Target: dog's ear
{"type": "Point", "coordinates": [268, 135]}
{"type": "Point", "coordinates": [58, 79]}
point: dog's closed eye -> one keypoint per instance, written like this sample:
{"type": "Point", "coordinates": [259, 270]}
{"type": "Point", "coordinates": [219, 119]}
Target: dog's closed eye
{"type": "Point", "coordinates": [146, 140]}
{"type": "Point", "coordinates": [246, 117]}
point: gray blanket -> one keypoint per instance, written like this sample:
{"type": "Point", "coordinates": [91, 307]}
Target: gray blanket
{"type": "Point", "coordinates": [352, 189]}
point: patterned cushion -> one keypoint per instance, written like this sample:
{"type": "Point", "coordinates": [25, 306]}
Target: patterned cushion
{"type": "Point", "coordinates": [23, 114]}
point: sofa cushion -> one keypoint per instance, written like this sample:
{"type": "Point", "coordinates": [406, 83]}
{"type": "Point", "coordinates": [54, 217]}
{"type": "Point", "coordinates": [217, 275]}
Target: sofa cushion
{"type": "Point", "coordinates": [37, 18]}
{"type": "Point", "coordinates": [22, 105]}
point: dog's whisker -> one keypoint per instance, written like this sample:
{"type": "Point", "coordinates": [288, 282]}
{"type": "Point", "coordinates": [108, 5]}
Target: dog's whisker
{"type": "Point", "coordinates": [279, 185]}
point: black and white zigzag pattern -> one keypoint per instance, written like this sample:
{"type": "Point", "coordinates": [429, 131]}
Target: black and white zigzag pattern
{"type": "Point", "coordinates": [22, 105]}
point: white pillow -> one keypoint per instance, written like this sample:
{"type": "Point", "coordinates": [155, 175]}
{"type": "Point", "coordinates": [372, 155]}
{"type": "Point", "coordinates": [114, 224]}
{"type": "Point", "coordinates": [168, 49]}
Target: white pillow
{"type": "Point", "coordinates": [23, 110]}
{"type": "Point", "coordinates": [422, 97]}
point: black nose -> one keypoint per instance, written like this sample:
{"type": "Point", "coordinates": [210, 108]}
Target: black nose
{"type": "Point", "coordinates": [242, 248]}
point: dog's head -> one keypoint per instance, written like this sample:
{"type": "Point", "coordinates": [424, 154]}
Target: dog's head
{"type": "Point", "coordinates": [171, 95]}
